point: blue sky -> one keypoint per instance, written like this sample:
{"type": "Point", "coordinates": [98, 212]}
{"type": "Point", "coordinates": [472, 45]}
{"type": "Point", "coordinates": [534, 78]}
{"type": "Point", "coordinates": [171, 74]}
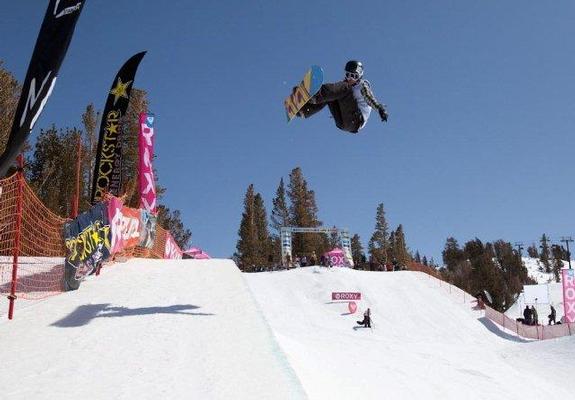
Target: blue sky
{"type": "Point", "coordinates": [480, 95]}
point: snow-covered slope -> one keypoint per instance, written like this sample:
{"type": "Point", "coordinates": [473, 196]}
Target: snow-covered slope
{"type": "Point", "coordinates": [425, 344]}
{"type": "Point", "coordinates": [147, 329]}
{"type": "Point", "coordinates": [194, 329]}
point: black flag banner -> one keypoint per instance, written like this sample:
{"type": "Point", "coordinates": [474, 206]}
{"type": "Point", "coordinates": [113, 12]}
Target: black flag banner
{"type": "Point", "coordinates": [107, 170]}
{"type": "Point", "coordinates": [51, 46]}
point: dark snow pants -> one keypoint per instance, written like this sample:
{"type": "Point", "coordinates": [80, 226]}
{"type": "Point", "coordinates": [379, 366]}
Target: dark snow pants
{"type": "Point", "coordinates": [342, 106]}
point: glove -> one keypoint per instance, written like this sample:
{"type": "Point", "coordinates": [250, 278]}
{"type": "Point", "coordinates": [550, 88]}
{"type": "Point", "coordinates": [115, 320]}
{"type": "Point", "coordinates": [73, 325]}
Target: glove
{"type": "Point", "coordinates": [383, 114]}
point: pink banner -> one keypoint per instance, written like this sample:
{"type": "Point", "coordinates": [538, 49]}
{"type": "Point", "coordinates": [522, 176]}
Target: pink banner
{"type": "Point", "coordinates": [345, 296]}
{"type": "Point", "coordinates": [146, 147]}
{"type": "Point", "coordinates": [172, 250]}
{"type": "Point", "coordinates": [569, 294]}
{"type": "Point", "coordinates": [124, 226]}
{"type": "Point", "coordinates": [115, 217]}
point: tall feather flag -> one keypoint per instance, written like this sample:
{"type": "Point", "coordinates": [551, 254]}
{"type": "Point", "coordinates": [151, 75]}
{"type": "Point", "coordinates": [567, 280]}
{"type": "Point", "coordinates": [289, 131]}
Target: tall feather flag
{"type": "Point", "coordinates": [107, 170]}
{"type": "Point", "coordinates": [51, 47]}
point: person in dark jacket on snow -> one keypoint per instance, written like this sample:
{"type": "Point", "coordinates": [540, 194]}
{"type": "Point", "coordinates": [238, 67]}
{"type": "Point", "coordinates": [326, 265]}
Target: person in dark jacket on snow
{"type": "Point", "coordinates": [350, 101]}
{"type": "Point", "coordinates": [366, 319]}
{"type": "Point", "coordinates": [527, 316]}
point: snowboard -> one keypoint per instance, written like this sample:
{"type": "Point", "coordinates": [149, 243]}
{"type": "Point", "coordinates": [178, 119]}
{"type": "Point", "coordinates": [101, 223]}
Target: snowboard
{"type": "Point", "coordinates": [308, 87]}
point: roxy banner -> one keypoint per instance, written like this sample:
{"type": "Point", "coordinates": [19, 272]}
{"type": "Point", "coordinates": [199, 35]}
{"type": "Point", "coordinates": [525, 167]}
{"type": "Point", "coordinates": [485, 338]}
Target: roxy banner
{"type": "Point", "coordinates": [569, 294]}
{"type": "Point", "coordinates": [108, 166]}
{"type": "Point", "coordinates": [172, 250]}
{"type": "Point", "coordinates": [51, 47]}
{"type": "Point", "coordinates": [125, 226]}
{"type": "Point", "coordinates": [87, 240]}
{"type": "Point", "coordinates": [146, 147]}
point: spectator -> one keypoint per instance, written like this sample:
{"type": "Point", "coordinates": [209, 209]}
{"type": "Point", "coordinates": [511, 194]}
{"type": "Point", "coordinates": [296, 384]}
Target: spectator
{"type": "Point", "coordinates": [312, 259]}
{"type": "Point", "coordinates": [553, 315]}
{"type": "Point", "coordinates": [527, 315]}
{"type": "Point", "coordinates": [535, 317]}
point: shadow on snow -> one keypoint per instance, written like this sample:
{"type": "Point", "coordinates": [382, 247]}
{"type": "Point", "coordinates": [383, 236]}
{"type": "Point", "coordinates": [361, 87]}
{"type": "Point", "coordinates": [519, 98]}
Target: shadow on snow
{"type": "Point", "coordinates": [83, 315]}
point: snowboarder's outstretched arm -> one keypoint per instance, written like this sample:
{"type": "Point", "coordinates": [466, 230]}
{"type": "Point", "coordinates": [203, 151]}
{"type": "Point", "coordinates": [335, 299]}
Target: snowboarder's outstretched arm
{"type": "Point", "coordinates": [372, 101]}
{"type": "Point", "coordinates": [331, 92]}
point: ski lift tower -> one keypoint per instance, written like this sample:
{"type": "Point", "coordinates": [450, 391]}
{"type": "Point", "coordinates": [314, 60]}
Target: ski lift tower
{"type": "Point", "coordinates": [286, 233]}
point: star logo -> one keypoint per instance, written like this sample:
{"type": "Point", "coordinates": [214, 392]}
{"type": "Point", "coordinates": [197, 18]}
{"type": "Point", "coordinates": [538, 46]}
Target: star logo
{"type": "Point", "coordinates": [113, 128]}
{"type": "Point", "coordinates": [120, 90]}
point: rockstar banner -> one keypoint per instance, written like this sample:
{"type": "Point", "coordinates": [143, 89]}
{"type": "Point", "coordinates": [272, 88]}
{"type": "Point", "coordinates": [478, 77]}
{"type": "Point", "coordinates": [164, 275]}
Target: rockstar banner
{"type": "Point", "coordinates": [87, 240]}
{"type": "Point", "coordinates": [107, 170]}
{"type": "Point", "coordinates": [51, 46]}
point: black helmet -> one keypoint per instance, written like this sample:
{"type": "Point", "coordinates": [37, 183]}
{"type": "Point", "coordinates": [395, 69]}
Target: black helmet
{"type": "Point", "coordinates": [354, 66]}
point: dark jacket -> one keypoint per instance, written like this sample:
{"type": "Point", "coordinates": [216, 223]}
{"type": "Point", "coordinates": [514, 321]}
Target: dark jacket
{"type": "Point", "coordinates": [343, 105]}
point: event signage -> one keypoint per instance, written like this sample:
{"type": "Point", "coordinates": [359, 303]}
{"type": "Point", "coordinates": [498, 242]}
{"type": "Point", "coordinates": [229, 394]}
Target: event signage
{"type": "Point", "coordinates": [569, 294]}
{"type": "Point", "coordinates": [345, 296]}
{"type": "Point", "coordinates": [108, 166]}
{"type": "Point", "coordinates": [172, 250]}
{"type": "Point", "coordinates": [124, 224]}
{"type": "Point", "coordinates": [146, 172]}
{"type": "Point", "coordinates": [87, 240]}
{"type": "Point", "coordinates": [51, 47]}
{"type": "Point", "coordinates": [147, 229]}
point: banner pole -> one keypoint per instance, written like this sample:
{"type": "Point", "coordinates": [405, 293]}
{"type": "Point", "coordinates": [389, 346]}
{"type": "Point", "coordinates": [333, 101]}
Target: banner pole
{"type": "Point", "coordinates": [19, 201]}
{"type": "Point", "coordinates": [76, 200]}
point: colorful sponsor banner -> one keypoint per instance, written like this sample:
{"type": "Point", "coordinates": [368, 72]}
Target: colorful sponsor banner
{"type": "Point", "coordinates": [172, 250]}
{"type": "Point", "coordinates": [147, 229]}
{"type": "Point", "coordinates": [107, 170]}
{"type": "Point", "coordinates": [146, 172]}
{"type": "Point", "coordinates": [345, 296]}
{"type": "Point", "coordinates": [569, 294]}
{"type": "Point", "coordinates": [51, 47]}
{"type": "Point", "coordinates": [87, 240]}
{"type": "Point", "coordinates": [125, 225]}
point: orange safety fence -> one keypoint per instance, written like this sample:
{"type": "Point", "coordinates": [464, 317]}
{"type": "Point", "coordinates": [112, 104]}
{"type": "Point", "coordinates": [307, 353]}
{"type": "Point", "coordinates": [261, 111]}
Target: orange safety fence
{"type": "Point", "coordinates": [34, 234]}
{"type": "Point", "coordinates": [38, 234]}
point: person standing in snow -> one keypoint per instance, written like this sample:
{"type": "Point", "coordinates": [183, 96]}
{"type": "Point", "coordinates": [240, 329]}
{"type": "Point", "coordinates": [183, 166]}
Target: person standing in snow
{"type": "Point", "coordinates": [527, 315]}
{"type": "Point", "coordinates": [553, 315]}
{"type": "Point", "coordinates": [350, 101]}
{"type": "Point", "coordinates": [535, 317]}
{"type": "Point", "coordinates": [366, 319]}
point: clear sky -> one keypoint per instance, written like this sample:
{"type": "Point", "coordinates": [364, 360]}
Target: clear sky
{"type": "Point", "coordinates": [480, 96]}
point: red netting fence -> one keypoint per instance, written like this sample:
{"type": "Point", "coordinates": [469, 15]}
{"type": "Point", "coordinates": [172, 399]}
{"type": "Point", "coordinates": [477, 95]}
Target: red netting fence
{"type": "Point", "coordinates": [27, 225]}
{"type": "Point", "coordinates": [32, 240]}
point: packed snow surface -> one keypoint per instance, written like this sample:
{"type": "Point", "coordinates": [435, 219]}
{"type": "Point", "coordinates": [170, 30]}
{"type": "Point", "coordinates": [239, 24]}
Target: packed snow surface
{"type": "Point", "coordinates": [192, 329]}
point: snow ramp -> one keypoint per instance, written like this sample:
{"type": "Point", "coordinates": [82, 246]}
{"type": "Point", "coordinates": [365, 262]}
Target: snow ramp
{"type": "Point", "coordinates": [147, 329]}
{"type": "Point", "coordinates": [425, 344]}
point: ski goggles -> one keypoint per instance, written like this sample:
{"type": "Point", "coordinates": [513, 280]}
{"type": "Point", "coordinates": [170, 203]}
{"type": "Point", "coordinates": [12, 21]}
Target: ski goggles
{"type": "Point", "coordinates": [352, 75]}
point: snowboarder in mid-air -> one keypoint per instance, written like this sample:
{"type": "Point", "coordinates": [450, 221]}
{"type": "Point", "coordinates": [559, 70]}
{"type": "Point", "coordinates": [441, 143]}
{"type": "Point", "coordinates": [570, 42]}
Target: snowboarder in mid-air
{"type": "Point", "coordinates": [350, 101]}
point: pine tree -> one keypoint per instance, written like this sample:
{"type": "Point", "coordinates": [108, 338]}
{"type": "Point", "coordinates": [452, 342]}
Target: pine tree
{"type": "Point", "coordinates": [246, 247]}
{"type": "Point", "coordinates": [357, 252]}
{"type": "Point", "coordinates": [558, 253]}
{"type": "Point", "coordinates": [9, 95]}
{"type": "Point", "coordinates": [90, 121]}
{"type": "Point", "coordinates": [279, 218]}
{"type": "Point", "coordinates": [513, 270]}
{"type": "Point", "coordinates": [263, 245]}
{"type": "Point", "coordinates": [417, 257]}
{"type": "Point", "coordinates": [400, 248]}
{"type": "Point", "coordinates": [172, 222]}
{"type": "Point", "coordinates": [334, 239]}
{"type": "Point", "coordinates": [532, 251]}
{"type": "Point", "coordinates": [545, 255]}
{"type": "Point", "coordinates": [303, 213]}
{"type": "Point", "coordinates": [128, 141]}
{"type": "Point", "coordinates": [379, 242]}
{"type": "Point", "coordinates": [280, 212]}
{"type": "Point", "coordinates": [424, 260]}
{"type": "Point", "coordinates": [53, 165]}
